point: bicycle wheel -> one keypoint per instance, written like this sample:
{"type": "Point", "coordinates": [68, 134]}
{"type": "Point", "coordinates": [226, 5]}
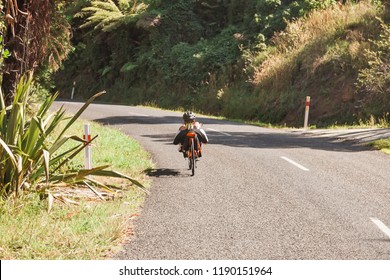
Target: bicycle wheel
{"type": "Point", "coordinates": [192, 157]}
{"type": "Point", "coordinates": [189, 163]}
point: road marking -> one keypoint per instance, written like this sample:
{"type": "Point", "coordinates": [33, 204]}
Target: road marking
{"type": "Point", "coordinates": [296, 164]}
{"type": "Point", "coordinates": [224, 133]}
{"type": "Point", "coordinates": [381, 226]}
{"type": "Point", "coordinates": [137, 114]}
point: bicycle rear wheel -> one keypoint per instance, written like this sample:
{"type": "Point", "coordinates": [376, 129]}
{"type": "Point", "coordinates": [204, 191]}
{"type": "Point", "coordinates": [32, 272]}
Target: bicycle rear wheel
{"type": "Point", "coordinates": [192, 159]}
{"type": "Point", "coordinates": [189, 162]}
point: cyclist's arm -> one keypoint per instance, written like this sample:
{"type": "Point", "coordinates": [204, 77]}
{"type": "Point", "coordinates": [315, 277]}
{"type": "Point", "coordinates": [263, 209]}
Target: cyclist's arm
{"type": "Point", "coordinates": [197, 125]}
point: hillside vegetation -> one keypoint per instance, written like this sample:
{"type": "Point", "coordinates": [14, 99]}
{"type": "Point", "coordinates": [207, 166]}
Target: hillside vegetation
{"type": "Point", "coordinates": [319, 56]}
{"type": "Point", "coordinates": [254, 60]}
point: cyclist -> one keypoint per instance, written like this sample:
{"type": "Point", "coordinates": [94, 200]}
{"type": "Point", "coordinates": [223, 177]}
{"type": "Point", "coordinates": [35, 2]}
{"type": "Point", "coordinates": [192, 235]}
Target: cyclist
{"type": "Point", "coordinates": [190, 123]}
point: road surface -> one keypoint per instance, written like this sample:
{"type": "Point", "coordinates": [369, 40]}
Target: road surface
{"type": "Point", "coordinates": [258, 193]}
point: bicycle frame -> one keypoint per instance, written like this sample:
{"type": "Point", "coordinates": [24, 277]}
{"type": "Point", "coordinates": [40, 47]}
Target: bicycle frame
{"type": "Point", "coordinates": [192, 146]}
{"type": "Point", "coordinates": [192, 153]}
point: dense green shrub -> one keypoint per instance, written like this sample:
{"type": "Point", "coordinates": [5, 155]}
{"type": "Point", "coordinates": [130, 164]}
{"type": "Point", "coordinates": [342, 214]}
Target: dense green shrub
{"type": "Point", "coordinates": [174, 47]}
{"type": "Point", "coordinates": [209, 55]}
{"type": "Point", "coordinates": [374, 80]}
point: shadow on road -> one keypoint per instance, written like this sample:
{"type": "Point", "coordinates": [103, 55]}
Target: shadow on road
{"type": "Point", "coordinates": [165, 172]}
{"type": "Point", "coordinates": [271, 139]}
{"type": "Point", "coordinates": [284, 141]}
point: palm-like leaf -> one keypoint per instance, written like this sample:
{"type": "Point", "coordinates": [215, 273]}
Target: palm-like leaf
{"type": "Point", "coordinates": [9, 152]}
{"type": "Point", "coordinates": [2, 101]}
{"type": "Point", "coordinates": [29, 156]}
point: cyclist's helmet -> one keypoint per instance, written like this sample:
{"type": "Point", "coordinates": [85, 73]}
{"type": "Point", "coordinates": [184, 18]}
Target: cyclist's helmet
{"type": "Point", "coordinates": [188, 116]}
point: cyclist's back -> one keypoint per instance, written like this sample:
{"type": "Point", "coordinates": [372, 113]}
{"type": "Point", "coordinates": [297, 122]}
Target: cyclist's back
{"type": "Point", "coordinates": [190, 124]}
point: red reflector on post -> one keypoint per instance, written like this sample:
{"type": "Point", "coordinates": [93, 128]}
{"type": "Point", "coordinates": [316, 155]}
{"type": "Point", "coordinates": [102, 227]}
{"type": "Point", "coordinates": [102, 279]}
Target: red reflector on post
{"type": "Point", "coordinates": [307, 101]}
{"type": "Point", "coordinates": [305, 124]}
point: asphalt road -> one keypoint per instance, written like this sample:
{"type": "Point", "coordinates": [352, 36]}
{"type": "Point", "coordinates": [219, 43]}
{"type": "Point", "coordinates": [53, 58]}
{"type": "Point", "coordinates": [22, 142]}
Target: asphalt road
{"type": "Point", "coordinates": [257, 193]}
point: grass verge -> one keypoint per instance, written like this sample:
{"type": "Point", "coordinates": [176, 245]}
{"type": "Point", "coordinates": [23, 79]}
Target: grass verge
{"type": "Point", "coordinates": [90, 230]}
{"type": "Point", "coordinates": [382, 145]}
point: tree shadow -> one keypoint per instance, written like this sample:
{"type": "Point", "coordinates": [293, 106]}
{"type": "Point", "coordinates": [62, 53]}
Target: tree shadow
{"type": "Point", "coordinates": [284, 141]}
{"type": "Point", "coordinates": [266, 139]}
{"type": "Point", "coordinates": [380, 240]}
{"type": "Point", "coordinates": [363, 135]}
{"type": "Point", "coordinates": [271, 140]}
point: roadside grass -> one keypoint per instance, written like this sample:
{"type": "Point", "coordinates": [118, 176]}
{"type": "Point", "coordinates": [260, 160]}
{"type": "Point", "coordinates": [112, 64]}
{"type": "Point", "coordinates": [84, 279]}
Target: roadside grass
{"type": "Point", "coordinates": [372, 122]}
{"type": "Point", "coordinates": [114, 148]}
{"type": "Point", "coordinates": [92, 229]}
{"type": "Point", "coordinates": [382, 145]}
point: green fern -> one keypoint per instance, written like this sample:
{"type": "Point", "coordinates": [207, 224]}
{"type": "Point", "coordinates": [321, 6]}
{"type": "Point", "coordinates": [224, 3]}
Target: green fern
{"type": "Point", "coordinates": [108, 16]}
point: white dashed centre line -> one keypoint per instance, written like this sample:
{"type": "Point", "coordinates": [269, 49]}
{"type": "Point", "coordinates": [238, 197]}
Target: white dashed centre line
{"type": "Point", "coordinates": [295, 163]}
{"type": "Point", "coordinates": [381, 226]}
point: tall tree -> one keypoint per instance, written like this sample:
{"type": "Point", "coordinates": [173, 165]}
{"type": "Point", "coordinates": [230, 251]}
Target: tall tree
{"type": "Point", "coordinates": [32, 32]}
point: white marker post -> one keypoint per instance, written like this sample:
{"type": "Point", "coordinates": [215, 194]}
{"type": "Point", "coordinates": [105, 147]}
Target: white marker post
{"type": "Point", "coordinates": [307, 112]}
{"type": "Point", "coordinates": [72, 94]}
{"type": "Point", "coordinates": [88, 148]}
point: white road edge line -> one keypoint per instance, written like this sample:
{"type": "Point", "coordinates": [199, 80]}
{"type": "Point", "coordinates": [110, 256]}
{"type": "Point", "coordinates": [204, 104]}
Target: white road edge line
{"type": "Point", "coordinates": [381, 226]}
{"type": "Point", "coordinates": [224, 133]}
{"type": "Point", "coordinates": [294, 163]}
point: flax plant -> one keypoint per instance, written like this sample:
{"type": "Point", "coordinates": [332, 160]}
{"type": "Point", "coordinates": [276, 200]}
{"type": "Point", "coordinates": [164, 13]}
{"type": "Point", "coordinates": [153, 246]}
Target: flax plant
{"type": "Point", "coordinates": [30, 143]}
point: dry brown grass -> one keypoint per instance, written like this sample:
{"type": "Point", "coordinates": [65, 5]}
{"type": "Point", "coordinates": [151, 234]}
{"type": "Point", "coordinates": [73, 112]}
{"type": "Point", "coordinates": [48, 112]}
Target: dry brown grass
{"type": "Point", "coordinates": [318, 27]}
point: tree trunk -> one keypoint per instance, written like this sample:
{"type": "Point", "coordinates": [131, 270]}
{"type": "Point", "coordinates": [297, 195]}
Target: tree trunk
{"type": "Point", "coordinates": [27, 40]}
{"type": "Point", "coordinates": [12, 41]}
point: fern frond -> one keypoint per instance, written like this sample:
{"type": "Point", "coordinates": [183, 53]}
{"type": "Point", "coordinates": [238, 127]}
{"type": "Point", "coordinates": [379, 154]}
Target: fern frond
{"type": "Point", "coordinates": [108, 6]}
{"type": "Point", "coordinates": [107, 15]}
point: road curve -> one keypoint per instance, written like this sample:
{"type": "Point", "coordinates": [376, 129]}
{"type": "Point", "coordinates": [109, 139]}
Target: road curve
{"type": "Point", "coordinates": [257, 193]}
